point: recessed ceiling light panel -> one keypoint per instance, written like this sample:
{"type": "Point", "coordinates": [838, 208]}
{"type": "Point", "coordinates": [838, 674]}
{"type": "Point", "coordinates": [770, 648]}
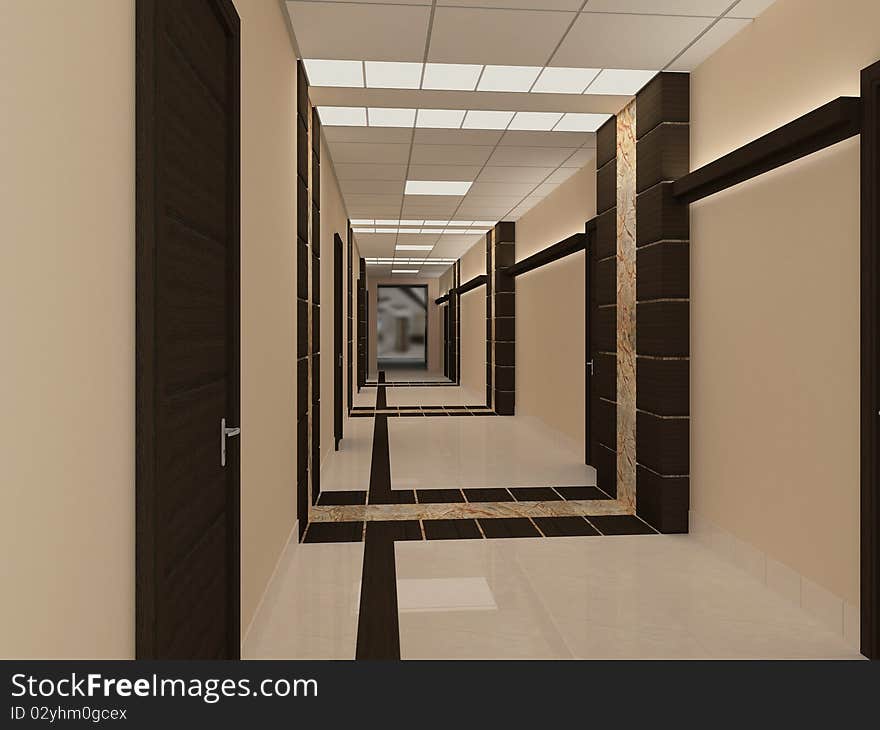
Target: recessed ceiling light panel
{"type": "Point", "coordinates": [564, 80]}
{"type": "Point", "coordinates": [451, 76]}
{"type": "Point", "coordinates": [572, 122]}
{"type": "Point", "coordinates": [393, 75]}
{"type": "Point", "coordinates": [624, 82]}
{"type": "Point", "coordinates": [404, 271]}
{"type": "Point", "coordinates": [413, 248]}
{"type": "Point", "coordinates": [535, 121]}
{"type": "Point", "coordinates": [440, 118]}
{"type": "Point", "coordinates": [385, 117]}
{"type": "Point", "coordinates": [436, 187]}
{"type": "Point", "coordinates": [335, 73]}
{"type": "Point", "coordinates": [343, 116]}
{"type": "Point", "coordinates": [508, 78]}
{"type": "Point", "coordinates": [487, 120]}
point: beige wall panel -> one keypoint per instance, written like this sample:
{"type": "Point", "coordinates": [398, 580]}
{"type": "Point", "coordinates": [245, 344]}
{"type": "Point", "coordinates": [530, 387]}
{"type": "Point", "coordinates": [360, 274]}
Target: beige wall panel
{"type": "Point", "coordinates": [775, 297]}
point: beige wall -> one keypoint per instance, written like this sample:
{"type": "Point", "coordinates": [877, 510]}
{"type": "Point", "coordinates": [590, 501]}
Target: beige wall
{"type": "Point", "coordinates": [334, 219]}
{"type": "Point", "coordinates": [67, 293]}
{"type": "Point", "coordinates": [472, 319]}
{"type": "Point", "coordinates": [67, 317]}
{"type": "Point", "coordinates": [550, 353]}
{"type": "Point", "coordinates": [775, 290]}
{"type": "Point", "coordinates": [268, 295]}
{"type": "Point", "coordinates": [435, 323]}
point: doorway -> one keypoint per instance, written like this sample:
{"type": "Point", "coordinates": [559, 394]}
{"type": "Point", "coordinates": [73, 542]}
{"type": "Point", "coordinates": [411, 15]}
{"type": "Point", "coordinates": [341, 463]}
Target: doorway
{"type": "Point", "coordinates": [402, 327]}
{"type": "Point", "coordinates": [187, 341]}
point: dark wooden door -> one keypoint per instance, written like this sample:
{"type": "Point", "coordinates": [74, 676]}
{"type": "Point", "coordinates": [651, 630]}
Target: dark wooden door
{"type": "Point", "coordinates": [187, 329]}
{"type": "Point", "coordinates": [601, 368]}
{"type": "Point", "coordinates": [337, 339]}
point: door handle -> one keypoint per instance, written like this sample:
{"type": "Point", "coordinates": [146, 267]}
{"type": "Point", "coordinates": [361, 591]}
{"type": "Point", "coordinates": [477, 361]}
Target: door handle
{"type": "Point", "coordinates": [590, 365]}
{"type": "Point", "coordinates": [226, 433]}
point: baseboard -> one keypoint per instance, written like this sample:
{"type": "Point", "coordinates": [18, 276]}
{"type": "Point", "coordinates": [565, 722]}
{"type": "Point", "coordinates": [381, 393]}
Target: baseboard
{"type": "Point", "coordinates": [832, 611]}
{"type": "Point", "coordinates": [292, 540]}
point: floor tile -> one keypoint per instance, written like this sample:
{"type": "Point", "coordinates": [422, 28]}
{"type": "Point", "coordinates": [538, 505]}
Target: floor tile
{"type": "Point", "coordinates": [564, 526]}
{"type": "Point", "coordinates": [515, 451]}
{"type": "Point", "coordinates": [439, 496]}
{"type": "Point", "coordinates": [395, 529]}
{"type": "Point", "coordinates": [488, 495]}
{"type": "Point", "coordinates": [343, 498]}
{"type": "Point", "coordinates": [581, 493]}
{"type": "Point", "coordinates": [452, 530]}
{"type": "Point", "coordinates": [310, 609]}
{"type": "Point", "coordinates": [334, 532]}
{"type": "Point", "coordinates": [534, 494]}
{"type": "Point", "coordinates": [621, 525]}
{"type": "Point", "coordinates": [631, 597]}
{"type": "Point", "coordinates": [509, 527]}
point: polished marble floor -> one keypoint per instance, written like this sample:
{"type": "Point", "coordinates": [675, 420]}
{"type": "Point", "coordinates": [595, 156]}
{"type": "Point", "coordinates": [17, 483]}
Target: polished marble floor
{"type": "Point", "coordinates": [349, 468]}
{"type": "Point", "coordinates": [626, 597]}
{"type": "Point", "coordinates": [469, 452]}
{"type": "Point", "coordinates": [454, 395]}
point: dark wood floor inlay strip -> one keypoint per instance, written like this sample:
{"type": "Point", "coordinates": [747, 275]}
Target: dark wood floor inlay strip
{"type": "Point", "coordinates": [564, 526]}
{"type": "Point", "coordinates": [334, 532]}
{"type": "Point", "coordinates": [621, 525]}
{"type": "Point", "coordinates": [508, 527]}
{"type": "Point", "coordinates": [452, 530]}
{"type": "Point", "coordinates": [535, 494]}
{"type": "Point", "coordinates": [580, 493]}
{"type": "Point", "coordinates": [342, 498]}
{"type": "Point", "coordinates": [440, 496]}
{"type": "Point", "coordinates": [488, 495]}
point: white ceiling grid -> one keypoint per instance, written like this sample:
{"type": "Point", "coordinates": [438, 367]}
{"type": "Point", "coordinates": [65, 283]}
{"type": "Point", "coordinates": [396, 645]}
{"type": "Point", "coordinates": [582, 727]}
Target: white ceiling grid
{"type": "Point", "coordinates": [574, 46]}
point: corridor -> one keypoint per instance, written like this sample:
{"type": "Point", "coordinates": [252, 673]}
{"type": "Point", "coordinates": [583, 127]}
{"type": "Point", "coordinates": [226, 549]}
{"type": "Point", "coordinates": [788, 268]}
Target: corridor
{"type": "Point", "coordinates": [440, 329]}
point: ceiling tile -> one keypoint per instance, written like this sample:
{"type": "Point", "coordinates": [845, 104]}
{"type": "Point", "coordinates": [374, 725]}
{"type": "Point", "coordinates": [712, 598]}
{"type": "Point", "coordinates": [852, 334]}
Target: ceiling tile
{"type": "Point", "coordinates": [371, 187]}
{"type": "Point", "coordinates": [562, 174]}
{"type": "Point", "coordinates": [573, 5]}
{"type": "Point", "coordinates": [360, 134]}
{"type": "Point", "coordinates": [359, 31]}
{"type": "Point", "coordinates": [450, 154]}
{"type": "Point", "coordinates": [522, 138]}
{"type": "Point", "coordinates": [512, 189]}
{"type": "Point", "coordinates": [347, 171]}
{"type": "Point", "coordinates": [364, 152]}
{"type": "Point", "coordinates": [532, 175]}
{"type": "Point", "coordinates": [716, 37]}
{"type": "Point", "coordinates": [581, 158]}
{"type": "Point", "coordinates": [530, 156]}
{"type": "Point", "coordinates": [627, 41]}
{"type": "Point", "coordinates": [444, 172]}
{"type": "Point", "coordinates": [660, 7]}
{"type": "Point", "coordinates": [545, 188]}
{"type": "Point", "coordinates": [458, 136]}
{"type": "Point", "coordinates": [750, 8]}
{"type": "Point", "coordinates": [475, 35]}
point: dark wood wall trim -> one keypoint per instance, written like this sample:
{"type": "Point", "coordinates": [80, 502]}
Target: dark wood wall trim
{"type": "Point", "coordinates": [315, 379]}
{"type": "Point", "coordinates": [600, 276]}
{"type": "Point", "coordinates": [349, 296]}
{"type": "Point", "coordinates": [662, 305]}
{"type": "Point", "coordinates": [474, 283]}
{"type": "Point", "coordinates": [303, 303]}
{"type": "Point", "coordinates": [557, 251]}
{"type": "Point", "coordinates": [870, 350]}
{"type": "Point", "coordinates": [829, 124]}
{"type": "Point", "coordinates": [490, 300]}
{"type": "Point", "coordinates": [362, 326]}
{"type": "Point", "coordinates": [503, 257]}
{"type": "Point", "coordinates": [442, 300]}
